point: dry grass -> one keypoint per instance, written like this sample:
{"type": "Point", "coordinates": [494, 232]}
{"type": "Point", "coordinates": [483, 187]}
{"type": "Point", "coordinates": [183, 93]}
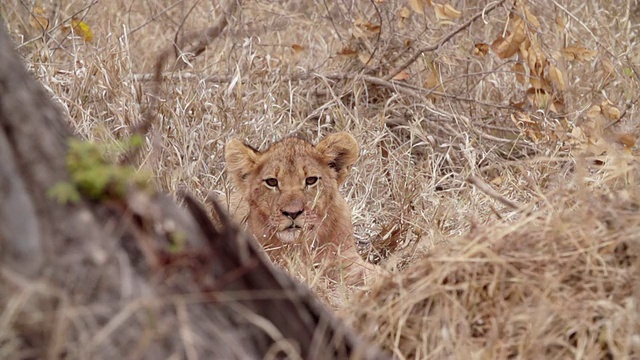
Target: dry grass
{"type": "Point", "coordinates": [471, 277]}
{"type": "Point", "coordinates": [558, 282]}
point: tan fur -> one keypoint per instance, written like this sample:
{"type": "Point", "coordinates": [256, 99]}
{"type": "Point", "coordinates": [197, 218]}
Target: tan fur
{"type": "Point", "coordinates": [290, 196]}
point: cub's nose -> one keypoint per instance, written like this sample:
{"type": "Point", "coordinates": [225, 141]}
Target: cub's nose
{"type": "Point", "coordinates": [291, 214]}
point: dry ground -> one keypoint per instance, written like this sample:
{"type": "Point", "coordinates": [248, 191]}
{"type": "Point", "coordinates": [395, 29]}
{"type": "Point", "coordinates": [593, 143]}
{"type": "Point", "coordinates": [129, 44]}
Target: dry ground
{"type": "Point", "coordinates": [544, 264]}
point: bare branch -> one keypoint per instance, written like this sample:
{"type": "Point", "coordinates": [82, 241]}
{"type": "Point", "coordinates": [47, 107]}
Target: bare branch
{"type": "Point", "coordinates": [446, 38]}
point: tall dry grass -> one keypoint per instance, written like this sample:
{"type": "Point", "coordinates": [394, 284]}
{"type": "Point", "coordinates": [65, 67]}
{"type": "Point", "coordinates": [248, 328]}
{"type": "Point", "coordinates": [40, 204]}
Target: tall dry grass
{"type": "Point", "coordinates": [470, 276]}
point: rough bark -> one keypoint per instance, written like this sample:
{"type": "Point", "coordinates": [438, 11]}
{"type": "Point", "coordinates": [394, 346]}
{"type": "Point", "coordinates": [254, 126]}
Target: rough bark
{"type": "Point", "coordinates": [99, 279]}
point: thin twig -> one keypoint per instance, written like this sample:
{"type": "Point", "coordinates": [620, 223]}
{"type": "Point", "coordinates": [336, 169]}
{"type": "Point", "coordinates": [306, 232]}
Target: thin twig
{"type": "Point", "coordinates": [488, 190]}
{"type": "Point", "coordinates": [446, 38]}
{"type": "Point", "coordinates": [379, 38]}
{"type": "Point", "coordinates": [210, 34]}
{"type": "Point", "coordinates": [176, 39]}
{"type": "Point", "coordinates": [154, 17]}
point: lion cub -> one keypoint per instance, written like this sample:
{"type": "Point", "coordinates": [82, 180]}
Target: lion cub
{"type": "Point", "coordinates": [290, 199]}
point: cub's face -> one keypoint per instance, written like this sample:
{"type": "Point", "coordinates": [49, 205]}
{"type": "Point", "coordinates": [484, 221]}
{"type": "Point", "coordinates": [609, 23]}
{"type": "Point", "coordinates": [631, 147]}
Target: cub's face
{"type": "Point", "coordinates": [292, 187]}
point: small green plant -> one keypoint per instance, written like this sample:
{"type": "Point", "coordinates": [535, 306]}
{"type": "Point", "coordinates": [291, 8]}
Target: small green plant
{"type": "Point", "coordinates": [177, 242]}
{"type": "Point", "coordinates": [94, 175]}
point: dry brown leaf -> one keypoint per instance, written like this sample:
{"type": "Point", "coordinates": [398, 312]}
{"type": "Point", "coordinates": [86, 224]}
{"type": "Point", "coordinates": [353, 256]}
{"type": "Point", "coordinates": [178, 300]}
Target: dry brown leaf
{"type": "Point", "coordinates": [609, 111]}
{"type": "Point", "coordinates": [402, 75]}
{"type": "Point", "coordinates": [518, 104]}
{"type": "Point", "coordinates": [519, 33]}
{"type": "Point", "coordinates": [365, 58]}
{"type": "Point", "coordinates": [625, 139]}
{"type": "Point", "coordinates": [520, 118]}
{"type": "Point", "coordinates": [503, 48]}
{"type": "Point", "coordinates": [594, 112]}
{"type": "Point", "coordinates": [366, 25]}
{"type": "Point", "coordinates": [578, 53]}
{"type": "Point", "coordinates": [374, 28]}
{"type": "Point", "coordinates": [531, 19]}
{"type": "Point", "coordinates": [539, 82]}
{"type": "Point", "coordinates": [404, 12]}
{"type": "Point", "coordinates": [524, 48]}
{"type": "Point", "coordinates": [417, 6]}
{"type": "Point", "coordinates": [446, 12]}
{"type": "Point", "coordinates": [536, 60]}
{"type": "Point", "coordinates": [578, 134]}
{"type": "Point", "coordinates": [506, 48]}
{"type": "Point", "coordinates": [558, 105]}
{"type": "Point", "coordinates": [433, 80]}
{"type": "Point", "coordinates": [347, 51]}
{"type": "Point", "coordinates": [481, 49]}
{"type": "Point", "coordinates": [556, 77]}
{"type": "Point", "coordinates": [297, 48]}
{"type": "Point", "coordinates": [520, 72]}
{"type": "Point", "coordinates": [607, 68]}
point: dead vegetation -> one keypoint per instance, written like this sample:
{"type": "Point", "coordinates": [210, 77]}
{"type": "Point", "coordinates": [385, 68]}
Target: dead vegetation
{"type": "Point", "coordinates": [498, 174]}
{"type": "Point", "coordinates": [567, 289]}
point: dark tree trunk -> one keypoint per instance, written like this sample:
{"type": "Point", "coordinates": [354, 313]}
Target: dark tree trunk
{"type": "Point", "coordinates": [98, 279]}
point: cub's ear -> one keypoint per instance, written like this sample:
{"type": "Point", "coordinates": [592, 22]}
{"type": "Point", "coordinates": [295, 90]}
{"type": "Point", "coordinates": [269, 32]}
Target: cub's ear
{"type": "Point", "coordinates": [340, 151]}
{"type": "Point", "coordinates": [241, 160]}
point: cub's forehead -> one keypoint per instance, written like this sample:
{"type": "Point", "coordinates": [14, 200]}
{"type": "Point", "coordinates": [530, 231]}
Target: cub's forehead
{"type": "Point", "coordinates": [291, 155]}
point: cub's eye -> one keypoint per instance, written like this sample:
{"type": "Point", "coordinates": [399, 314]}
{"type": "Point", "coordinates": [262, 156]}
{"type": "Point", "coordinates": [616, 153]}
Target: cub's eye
{"type": "Point", "coordinates": [271, 182]}
{"type": "Point", "coordinates": [311, 180]}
